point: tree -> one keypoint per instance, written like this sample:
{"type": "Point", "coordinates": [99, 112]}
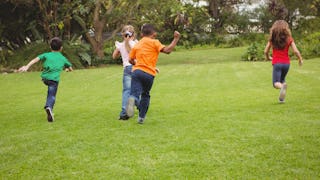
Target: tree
{"type": "Point", "coordinates": [16, 23]}
{"type": "Point", "coordinates": [292, 11]}
{"type": "Point", "coordinates": [221, 11]}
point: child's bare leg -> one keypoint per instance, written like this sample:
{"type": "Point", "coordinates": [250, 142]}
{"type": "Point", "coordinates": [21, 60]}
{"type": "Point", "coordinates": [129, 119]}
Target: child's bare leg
{"type": "Point", "coordinates": [277, 85]}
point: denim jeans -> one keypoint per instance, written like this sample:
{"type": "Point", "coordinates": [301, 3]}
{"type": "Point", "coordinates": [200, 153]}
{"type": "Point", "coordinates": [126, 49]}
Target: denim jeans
{"type": "Point", "coordinates": [52, 91]}
{"type": "Point", "coordinates": [141, 85]}
{"type": "Point", "coordinates": [126, 83]}
{"type": "Point", "coordinates": [280, 72]}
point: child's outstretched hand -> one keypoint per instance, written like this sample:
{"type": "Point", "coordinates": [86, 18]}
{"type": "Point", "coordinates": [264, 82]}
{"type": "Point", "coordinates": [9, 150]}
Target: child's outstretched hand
{"type": "Point", "coordinates": [300, 62]}
{"type": "Point", "coordinates": [23, 69]}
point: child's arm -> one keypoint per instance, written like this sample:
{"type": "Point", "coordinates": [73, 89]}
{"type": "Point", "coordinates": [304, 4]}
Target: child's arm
{"type": "Point", "coordinates": [266, 51]}
{"type": "Point", "coordinates": [297, 53]}
{"type": "Point", "coordinates": [132, 56]}
{"type": "Point", "coordinates": [132, 61]}
{"type": "Point", "coordinates": [25, 68]}
{"type": "Point", "coordinates": [116, 54]}
{"type": "Point", "coordinates": [168, 49]}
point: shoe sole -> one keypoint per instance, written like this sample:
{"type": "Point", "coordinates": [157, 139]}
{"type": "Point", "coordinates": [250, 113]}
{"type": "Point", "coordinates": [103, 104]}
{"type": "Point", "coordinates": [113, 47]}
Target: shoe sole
{"type": "Point", "coordinates": [283, 93]}
{"type": "Point", "coordinates": [124, 117]}
{"type": "Point", "coordinates": [130, 107]}
{"type": "Point", "coordinates": [49, 115]}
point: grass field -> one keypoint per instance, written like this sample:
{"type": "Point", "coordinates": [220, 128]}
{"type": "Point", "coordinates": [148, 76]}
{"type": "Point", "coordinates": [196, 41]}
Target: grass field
{"type": "Point", "coordinates": [212, 116]}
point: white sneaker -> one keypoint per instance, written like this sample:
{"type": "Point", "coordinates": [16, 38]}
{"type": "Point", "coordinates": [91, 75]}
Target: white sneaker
{"type": "Point", "coordinates": [49, 114]}
{"type": "Point", "coordinates": [140, 120]}
{"type": "Point", "coordinates": [283, 90]}
{"type": "Point", "coordinates": [130, 107]}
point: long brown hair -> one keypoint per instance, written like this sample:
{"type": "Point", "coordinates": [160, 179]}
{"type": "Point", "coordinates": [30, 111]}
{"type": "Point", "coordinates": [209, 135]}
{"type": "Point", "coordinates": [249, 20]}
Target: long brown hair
{"type": "Point", "coordinates": [279, 34]}
{"type": "Point", "coordinates": [125, 29]}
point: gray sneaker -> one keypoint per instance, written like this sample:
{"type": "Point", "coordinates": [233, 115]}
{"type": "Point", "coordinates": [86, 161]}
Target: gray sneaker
{"type": "Point", "coordinates": [49, 114]}
{"type": "Point", "coordinates": [140, 120]}
{"type": "Point", "coordinates": [282, 95]}
{"type": "Point", "coordinates": [130, 107]}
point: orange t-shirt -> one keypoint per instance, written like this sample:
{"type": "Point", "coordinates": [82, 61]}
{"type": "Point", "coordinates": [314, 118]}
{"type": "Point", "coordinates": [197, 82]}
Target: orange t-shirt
{"type": "Point", "coordinates": [146, 53]}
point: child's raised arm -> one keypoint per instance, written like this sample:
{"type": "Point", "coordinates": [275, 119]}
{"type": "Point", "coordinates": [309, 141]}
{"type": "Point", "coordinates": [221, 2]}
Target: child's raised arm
{"type": "Point", "coordinates": [168, 49]}
{"type": "Point", "coordinates": [25, 68]}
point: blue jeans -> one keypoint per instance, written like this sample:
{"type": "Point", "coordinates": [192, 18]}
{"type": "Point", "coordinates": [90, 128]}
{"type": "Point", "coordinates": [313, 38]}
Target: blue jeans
{"type": "Point", "coordinates": [280, 72]}
{"type": "Point", "coordinates": [141, 85]}
{"type": "Point", "coordinates": [126, 83]}
{"type": "Point", "coordinates": [52, 91]}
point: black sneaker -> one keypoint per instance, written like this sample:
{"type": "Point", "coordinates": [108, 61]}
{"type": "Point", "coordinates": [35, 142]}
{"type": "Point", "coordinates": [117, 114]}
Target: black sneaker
{"type": "Point", "coordinates": [49, 114]}
{"type": "Point", "coordinates": [125, 117]}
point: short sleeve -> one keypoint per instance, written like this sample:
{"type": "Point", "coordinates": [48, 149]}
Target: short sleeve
{"type": "Point", "coordinates": [290, 41]}
{"type": "Point", "coordinates": [42, 57]}
{"type": "Point", "coordinates": [132, 43]}
{"type": "Point", "coordinates": [158, 45]}
{"type": "Point", "coordinates": [67, 63]}
{"type": "Point", "coordinates": [117, 44]}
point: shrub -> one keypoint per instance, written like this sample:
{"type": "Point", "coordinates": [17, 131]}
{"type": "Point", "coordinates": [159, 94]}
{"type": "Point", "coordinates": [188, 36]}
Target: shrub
{"type": "Point", "coordinates": [4, 54]}
{"type": "Point", "coordinates": [234, 42]}
{"type": "Point", "coordinates": [248, 38]}
{"type": "Point", "coordinates": [254, 53]}
{"type": "Point", "coordinates": [23, 55]}
{"type": "Point", "coordinates": [77, 54]}
{"type": "Point", "coordinates": [310, 45]}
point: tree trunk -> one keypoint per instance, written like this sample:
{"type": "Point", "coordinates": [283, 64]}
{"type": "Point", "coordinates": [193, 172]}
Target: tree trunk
{"type": "Point", "coordinates": [97, 40]}
{"type": "Point", "coordinates": [214, 11]}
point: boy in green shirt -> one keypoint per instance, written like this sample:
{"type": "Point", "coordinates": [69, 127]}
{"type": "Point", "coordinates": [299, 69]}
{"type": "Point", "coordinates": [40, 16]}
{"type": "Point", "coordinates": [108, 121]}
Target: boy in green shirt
{"type": "Point", "coordinates": [53, 63]}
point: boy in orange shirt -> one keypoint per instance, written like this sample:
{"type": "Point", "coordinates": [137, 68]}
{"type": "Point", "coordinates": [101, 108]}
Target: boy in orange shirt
{"type": "Point", "coordinates": [144, 57]}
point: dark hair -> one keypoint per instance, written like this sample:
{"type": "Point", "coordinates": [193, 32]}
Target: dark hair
{"type": "Point", "coordinates": [147, 29]}
{"type": "Point", "coordinates": [56, 44]}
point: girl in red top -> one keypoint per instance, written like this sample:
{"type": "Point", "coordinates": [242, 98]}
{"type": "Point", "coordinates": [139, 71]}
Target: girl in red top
{"type": "Point", "coordinates": [280, 40]}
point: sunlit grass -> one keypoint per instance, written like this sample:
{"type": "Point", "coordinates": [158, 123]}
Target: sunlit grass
{"type": "Point", "coordinates": [211, 116]}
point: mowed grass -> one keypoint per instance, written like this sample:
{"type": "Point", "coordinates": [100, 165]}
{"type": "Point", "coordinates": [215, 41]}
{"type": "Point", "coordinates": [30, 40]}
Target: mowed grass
{"type": "Point", "coordinates": [211, 116]}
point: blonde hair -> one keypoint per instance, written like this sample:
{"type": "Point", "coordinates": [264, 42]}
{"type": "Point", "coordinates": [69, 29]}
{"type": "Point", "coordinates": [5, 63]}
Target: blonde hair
{"type": "Point", "coordinates": [123, 32]}
{"type": "Point", "coordinates": [279, 34]}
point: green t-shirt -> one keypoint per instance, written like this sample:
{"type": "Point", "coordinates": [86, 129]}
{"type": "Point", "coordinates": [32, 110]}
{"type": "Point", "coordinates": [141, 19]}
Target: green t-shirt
{"type": "Point", "coordinates": [53, 64]}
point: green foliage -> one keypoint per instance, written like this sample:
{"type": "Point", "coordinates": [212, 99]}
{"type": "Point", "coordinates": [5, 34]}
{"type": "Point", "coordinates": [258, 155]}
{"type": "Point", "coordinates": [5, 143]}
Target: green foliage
{"type": "Point", "coordinates": [307, 27]}
{"type": "Point", "coordinates": [108, 49]}
{"type": "Point", "coordinates": [310, 45]}
{"type": "Point", "coordinates": [255, 52]}
{"type": "Point", "coordinates": [23, 55]}
{"type": "Point", "coordinates": [78, 54]}
{"type": "Point", "coordinates": [234, 42]}
{"type": "Point", "coordinates": [4, 54]}
{"type": "Point", "coordinates": [198, 25]}
{"type": "Point", "coordinates": [85, 57]}
{"type": "Point", "coordinates": [249, 38]}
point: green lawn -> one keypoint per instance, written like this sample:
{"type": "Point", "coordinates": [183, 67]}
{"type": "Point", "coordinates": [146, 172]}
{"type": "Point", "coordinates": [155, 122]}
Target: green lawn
{"type": "Point", "coordinates": [212, 116]}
